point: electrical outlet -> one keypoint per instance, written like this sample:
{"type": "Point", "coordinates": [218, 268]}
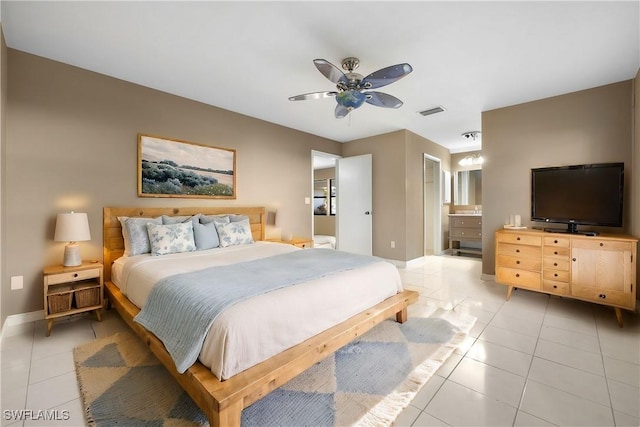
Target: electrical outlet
{"type": "Point", "coordinates": [16, 282]}
{"type": "Point", "coordinates": [393, 244]}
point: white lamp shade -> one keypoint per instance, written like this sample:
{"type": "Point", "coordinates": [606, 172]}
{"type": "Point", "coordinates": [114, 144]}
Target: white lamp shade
{"type": "Point", "coordinates": [72, 227]}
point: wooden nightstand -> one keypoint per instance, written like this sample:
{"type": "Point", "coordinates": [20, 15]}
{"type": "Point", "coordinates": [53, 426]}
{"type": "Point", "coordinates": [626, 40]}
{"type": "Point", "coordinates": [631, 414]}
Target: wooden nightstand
{"type": "Point", "coordinates": [72, 290]}
{"type": "Point", "coordinates": [301, 242]}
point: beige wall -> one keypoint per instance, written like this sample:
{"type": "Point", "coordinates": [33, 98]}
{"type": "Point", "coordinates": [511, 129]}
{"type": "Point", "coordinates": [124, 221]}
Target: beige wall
{"type": "Point", "coordinates": [71, 144]}
{"type": "Point", "coordinates": [590, 126]}
{"type": "Point", "coordinates": [398, 199]}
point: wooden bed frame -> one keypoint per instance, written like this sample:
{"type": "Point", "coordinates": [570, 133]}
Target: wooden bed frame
{"type": "Point", "coordinates": [223, 401]}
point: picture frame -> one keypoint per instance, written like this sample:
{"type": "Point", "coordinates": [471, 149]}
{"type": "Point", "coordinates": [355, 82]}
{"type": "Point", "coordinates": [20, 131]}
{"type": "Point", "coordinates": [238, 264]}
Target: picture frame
{"type": "Point", "coordinates": [175, 168]}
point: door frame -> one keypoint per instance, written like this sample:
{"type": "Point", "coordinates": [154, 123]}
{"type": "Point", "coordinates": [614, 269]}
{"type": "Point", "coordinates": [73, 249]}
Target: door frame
{"type": "Point", "coordinates": [436, 210]}
{"type": "Point", "coordinates": [315, 153]}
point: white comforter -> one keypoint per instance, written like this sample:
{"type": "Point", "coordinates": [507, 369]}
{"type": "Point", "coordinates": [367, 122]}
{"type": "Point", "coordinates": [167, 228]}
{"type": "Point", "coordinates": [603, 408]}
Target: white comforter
{"type": "Point", "coordinates": [252, 331]}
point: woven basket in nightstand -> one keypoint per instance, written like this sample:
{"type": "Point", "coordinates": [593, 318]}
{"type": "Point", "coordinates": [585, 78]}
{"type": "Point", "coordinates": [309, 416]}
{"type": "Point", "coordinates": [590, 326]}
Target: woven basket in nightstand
{"type": "Point", "coordinates": [87, 295]}
{"type": "Point", "coordinates": [61, 300]}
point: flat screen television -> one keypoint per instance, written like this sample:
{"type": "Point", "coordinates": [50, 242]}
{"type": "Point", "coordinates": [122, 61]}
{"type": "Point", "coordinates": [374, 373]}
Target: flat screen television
{"type": "Point", "coordinates": [578, 195]}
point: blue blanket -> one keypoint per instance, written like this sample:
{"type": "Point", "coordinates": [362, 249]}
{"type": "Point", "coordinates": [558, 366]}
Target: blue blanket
{"type": "Point", "coordinates": [181, 308]}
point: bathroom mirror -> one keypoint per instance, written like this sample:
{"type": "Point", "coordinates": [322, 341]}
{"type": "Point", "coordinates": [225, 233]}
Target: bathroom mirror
{"type": "Point", "coordinates": [468, 187]}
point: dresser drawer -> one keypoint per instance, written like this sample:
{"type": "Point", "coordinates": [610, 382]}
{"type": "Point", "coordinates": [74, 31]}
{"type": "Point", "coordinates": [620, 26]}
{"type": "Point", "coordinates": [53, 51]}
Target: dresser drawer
{"type": "Point", "coordinates": [556, 264]}
{"type": "Point", "coordinates": [556, 275]}
{"type": "Point", "coordinates": [519, 262]}
{"type": "Point", "coordinates": [466, 222]}
{"type": "Point", "coordinates": [520, 238]}
{"type": "Point", "coordinates": [607, 245]}
{"type": "Point", "coordinates": [466, 233]}
{"type": "Point", "coordinates": [518, 278]}
{"type": "Point", "coordinates": [556, 252]}
{"type": "Point", "coordinates": [559, 288]}
{"type": "Point", "coordinates": [560, 242]}
{"type": "Point", "coordinates": [74, 276]}
{"type": "Point", "coordinates": [520, 250]}
{"type": "Point", "coordinates": [624, 299]}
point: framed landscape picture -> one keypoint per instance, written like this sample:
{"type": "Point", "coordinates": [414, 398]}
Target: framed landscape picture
{"type": "Point", "coordinates": [175, 168]}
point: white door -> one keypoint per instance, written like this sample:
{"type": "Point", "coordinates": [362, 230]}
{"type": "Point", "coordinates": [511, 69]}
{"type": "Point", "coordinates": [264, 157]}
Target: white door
{"type": "Point", "coordinates": [353, 219]}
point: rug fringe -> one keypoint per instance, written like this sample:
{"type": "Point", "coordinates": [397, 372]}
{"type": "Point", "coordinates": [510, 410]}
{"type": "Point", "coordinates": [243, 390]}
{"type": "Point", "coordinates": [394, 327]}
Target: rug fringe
{"type": "Point", "coordinates": [387, 410]}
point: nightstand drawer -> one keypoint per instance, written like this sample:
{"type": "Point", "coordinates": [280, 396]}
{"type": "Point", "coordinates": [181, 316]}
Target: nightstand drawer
{"type": "Point", "coordinates": [73, 276]}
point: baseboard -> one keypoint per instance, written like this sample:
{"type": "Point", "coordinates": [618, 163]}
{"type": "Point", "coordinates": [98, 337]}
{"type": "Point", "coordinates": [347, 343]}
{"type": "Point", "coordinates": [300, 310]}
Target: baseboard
{"type": "Point", "coordinates": [18, 319]}
{"type": "Point", "coordinates": [488, 277]}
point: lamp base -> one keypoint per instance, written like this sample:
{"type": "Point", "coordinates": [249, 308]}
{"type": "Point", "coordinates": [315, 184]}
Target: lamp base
{"type": "Point", "coordinates": [72, 255]}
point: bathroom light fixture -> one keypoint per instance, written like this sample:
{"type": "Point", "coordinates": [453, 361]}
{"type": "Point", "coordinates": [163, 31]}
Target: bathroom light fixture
{"type": "Point", "coordinates": [472, 159]}
{"type": "Point", "coordinates": [473, 135]}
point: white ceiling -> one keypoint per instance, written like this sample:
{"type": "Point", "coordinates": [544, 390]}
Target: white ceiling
{"type": "Point", "coordinates": [249, 57]}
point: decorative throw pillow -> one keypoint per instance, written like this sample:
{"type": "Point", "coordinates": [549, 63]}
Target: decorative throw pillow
{"type": "Point", "coordinates": [206, 235]}
{"type": "Point", "coordinates": [134, 232]}
{"type": "Point", "coordinates": [171, 238]}
{"type": "Point", "coordinates": [208, 219]}
{"type": "Point", "coordinates": [234, 233]}
{"type": "Point", "coordinates": [166, 219]}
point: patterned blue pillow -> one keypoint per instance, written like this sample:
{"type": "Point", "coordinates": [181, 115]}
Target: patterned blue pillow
{"type": "Point", "coordinates": [134, 232]}
{"type": "Point", "coordinates": [234, 233]}
{"type": "Point", "coordinates": [171, 238]}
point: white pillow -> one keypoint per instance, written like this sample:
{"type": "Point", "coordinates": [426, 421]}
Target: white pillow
{"type": "Point", "coordinates": [234, 233]}
{"type": "Point", "coordinates": [171, 238]}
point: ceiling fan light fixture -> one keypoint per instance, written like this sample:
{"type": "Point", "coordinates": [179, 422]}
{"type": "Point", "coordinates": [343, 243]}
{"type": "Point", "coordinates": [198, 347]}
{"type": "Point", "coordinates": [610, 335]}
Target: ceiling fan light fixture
{"type": "Point", "coordinates": [351, 99]}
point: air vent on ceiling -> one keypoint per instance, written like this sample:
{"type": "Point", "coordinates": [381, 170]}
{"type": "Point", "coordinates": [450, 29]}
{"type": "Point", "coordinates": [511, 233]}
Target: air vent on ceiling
{"type": "Point", "coordinates": [438, 109]}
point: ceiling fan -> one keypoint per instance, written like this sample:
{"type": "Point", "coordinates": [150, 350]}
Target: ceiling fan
{"type": "Point", "coordinates": [353, 89]}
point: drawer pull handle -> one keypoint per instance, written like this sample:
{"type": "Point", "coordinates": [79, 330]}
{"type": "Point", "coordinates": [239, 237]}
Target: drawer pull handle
{"type": "Point", "coordinates": [517, 238]}
{"type": "Point", "coordinates": [518, 262]}
{"type": "Point", "coordinates": [555, 264]}
{"type": "Point", "coordinates": [555, 252]}
{"type": "Point", "coordinates": [573, 259]}
{"type": "Point", "coordinates": [601, 244]}
{"type": "Point", "coordinates": [555, 286]}
{"type": "Point", "coordinates": [555, 274]}
{"type": "Point", "coordinates": [518, 250]}
{"type": "Point", "coordinates": [517, 274]}
{"type": "Point", "coordinates": [603, 296]}
{"type": "Point", "coordinates": [555, 241]}
{"type": "Point", "coordinates": [75, 274]}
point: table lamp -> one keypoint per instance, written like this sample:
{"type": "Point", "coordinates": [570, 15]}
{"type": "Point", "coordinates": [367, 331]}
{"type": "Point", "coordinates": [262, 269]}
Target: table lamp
{"type": "Point", "coordinates": [72, 227]}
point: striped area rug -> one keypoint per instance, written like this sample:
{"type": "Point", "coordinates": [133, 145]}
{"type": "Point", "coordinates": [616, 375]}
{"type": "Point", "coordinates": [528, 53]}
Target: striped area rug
{"type": "Point", "coordinates": [368, 382]}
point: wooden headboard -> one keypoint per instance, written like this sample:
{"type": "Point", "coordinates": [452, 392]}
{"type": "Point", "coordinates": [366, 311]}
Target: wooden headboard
{"type": "Point", "coordinates": [112, 230]}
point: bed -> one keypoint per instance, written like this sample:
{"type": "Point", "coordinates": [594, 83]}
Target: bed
{"type": "Point", "coordinates": [219, 388]}
{"type": "Point", "coordinates": [324, 241]}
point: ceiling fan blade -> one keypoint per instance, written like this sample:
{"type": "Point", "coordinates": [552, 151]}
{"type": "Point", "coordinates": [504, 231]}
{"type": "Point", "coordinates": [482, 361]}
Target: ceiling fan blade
{"type": "Point", "coordinates": [380, 99]}
{"type": "Point", "coordinates": [341, 111]}
{"type": "Point", "coordinates": [314, 95]}
{"type": "Point", "coordinates": [386, 76]}
{"type": "Point", "coordinates": [330, 71]}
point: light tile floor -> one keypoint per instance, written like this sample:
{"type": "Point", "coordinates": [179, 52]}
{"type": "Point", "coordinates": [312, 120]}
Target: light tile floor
{"type": "Point", "coordinates": [532, 361]}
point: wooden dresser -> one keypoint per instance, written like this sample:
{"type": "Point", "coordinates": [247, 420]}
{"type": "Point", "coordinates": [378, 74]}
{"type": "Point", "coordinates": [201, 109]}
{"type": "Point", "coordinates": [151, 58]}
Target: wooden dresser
{"type": "Point", "coordinates": [465, 228]}
{"type": "Point", "coordinates": [599, 269]}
